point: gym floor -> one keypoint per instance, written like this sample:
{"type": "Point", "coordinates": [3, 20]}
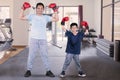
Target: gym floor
{"type": "Point", "coordinates": [6, 55]}
{"type": "Point", "coordinates": [97, 65]}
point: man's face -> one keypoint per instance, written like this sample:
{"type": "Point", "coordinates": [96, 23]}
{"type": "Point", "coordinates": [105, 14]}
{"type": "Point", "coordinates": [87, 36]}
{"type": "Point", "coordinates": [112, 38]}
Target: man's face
{"type": "Point", "coordinates": [39, 9]}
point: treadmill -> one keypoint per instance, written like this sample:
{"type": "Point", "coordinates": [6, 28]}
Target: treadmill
{"type": "Point", "coordinates": [6, 35]}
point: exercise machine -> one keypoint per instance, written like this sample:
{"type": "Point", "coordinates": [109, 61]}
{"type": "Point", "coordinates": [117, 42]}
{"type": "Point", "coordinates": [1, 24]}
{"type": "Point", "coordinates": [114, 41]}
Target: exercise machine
{"type": "Point", "coordinates": [6, 35]}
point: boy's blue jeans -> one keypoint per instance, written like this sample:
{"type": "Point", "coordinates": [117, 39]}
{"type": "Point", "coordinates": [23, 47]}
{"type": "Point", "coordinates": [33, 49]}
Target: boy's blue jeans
{"type": "Point", "coordinates": [37, 46]}
{"type": "Point", "coordinates": [68, 60]}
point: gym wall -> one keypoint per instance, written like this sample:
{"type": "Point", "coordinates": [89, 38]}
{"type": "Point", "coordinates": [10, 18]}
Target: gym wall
{"type": "Point", "coordinates": [20, 28]}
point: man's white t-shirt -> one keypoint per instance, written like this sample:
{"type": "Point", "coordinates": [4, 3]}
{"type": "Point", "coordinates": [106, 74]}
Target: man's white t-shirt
{"type": "Point", "coordinates": [38, 25]}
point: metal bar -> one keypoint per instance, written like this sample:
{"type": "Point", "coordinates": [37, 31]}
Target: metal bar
{"type": "Point", "coordinates": [57, 46]}
{"type": "Point", "coordinates": [101, 17]}
{"type": "Point", "coordinates": [3, 32]}
{"type": "Point", "coordinates": [113, 20]}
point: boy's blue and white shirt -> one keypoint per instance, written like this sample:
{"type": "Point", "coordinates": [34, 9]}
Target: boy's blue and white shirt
{"type": "Point", "coordinates": [38, 25]}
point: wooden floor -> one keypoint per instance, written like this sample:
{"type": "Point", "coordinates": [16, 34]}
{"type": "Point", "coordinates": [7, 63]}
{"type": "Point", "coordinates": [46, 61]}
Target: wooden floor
{"type": "Point", "coordinates": [8, 54]}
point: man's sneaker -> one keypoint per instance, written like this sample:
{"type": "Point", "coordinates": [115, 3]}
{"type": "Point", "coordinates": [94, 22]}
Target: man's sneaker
{"type": "Point", "coordinates": [81, 74]}
{"type": "Point", "coordinates": [62, 74]}
{"type": "Point", "coordinates": [27, 74]}
{"type": "Point", "coordinates": [50, 74]}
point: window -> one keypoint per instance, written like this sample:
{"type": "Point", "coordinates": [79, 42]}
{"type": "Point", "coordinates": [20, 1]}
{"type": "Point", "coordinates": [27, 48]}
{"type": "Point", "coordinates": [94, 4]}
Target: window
{"type": "Point", "coordinates": [107, 23]}
{"type": "Point", "coordinates": [107, 2]}
{"type": "Point", "coordinates": [117, 22]}
{"type": "Point", "coordinates": [4, 12]}
{"type": "Point", "coordinates": [72, 13]}
{"type": "Point", "coordinates": [111, 19]}
{"type": "Point", "coordinates": [69, 11]}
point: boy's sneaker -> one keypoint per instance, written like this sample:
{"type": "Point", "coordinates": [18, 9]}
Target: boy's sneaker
{"type": "Point", "coordinates": [62, 74]}
{"type": "Point", "coordinates": [50, 74]}
{"type": "Point", "coordinates": [27, 74]}
{"type": "Point", "coordinates": [81, 74]}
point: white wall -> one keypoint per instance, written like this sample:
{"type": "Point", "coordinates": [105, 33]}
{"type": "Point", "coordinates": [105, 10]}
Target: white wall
{"type": "Point", "coordinates": [97, 16]}
{"type": "Point", "coordinates": [20, 28]}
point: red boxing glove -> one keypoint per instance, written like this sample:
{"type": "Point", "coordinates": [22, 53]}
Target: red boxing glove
{"type": "Point", "coordinates": [85, 24]}
{"type": "Point", "coordinates": [64, 20]}
{"type": "Point", "coordinates": [54, 7]}
{"type": "Point", "coordinates": [26, 5]}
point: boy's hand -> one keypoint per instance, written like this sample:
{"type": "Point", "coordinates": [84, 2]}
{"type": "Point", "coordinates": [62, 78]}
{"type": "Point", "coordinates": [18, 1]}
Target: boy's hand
{"type": "Point", "coordinates": [64, 20]}
{"type": "Point", "coordinates": [84, 25]}
{"type": "Point", "coordinates": [26, 5]}
{"type": "Point", "coordinates": [87, 32]}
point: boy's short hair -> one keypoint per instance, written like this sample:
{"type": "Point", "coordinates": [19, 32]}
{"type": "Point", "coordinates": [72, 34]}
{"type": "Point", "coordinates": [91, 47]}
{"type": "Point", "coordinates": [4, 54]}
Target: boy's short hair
{"type": "Point", "coordinates": [41, 4]}
{"type": "Point", "coordinates": [73, 24]}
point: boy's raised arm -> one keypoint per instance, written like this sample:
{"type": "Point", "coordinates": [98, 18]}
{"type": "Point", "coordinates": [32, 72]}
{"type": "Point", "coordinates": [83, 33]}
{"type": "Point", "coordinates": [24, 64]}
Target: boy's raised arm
{"type": "Point", "coordinates": [63, 23]}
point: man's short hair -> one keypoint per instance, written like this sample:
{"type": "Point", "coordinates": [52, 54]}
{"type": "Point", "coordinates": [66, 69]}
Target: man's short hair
{"type": "Point", "coordinates": [41, 4]}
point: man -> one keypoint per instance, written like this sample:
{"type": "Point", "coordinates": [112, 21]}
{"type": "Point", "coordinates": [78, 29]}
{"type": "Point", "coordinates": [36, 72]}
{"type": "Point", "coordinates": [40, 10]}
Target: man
{"type": "Point", "coordinates": [38, 39]}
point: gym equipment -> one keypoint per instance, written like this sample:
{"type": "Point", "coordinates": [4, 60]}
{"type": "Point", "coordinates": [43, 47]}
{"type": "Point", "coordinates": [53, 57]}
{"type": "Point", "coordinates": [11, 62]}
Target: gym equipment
{"type": "Point", "coordinates": [54, 7]}
{"type": "Point", "coordinates": [105, 46]}
{"type": "Point", "coordinates": [60, 47]}
{"type": "Point", "coordinates": [91, 32]}
{"type": "Point", "coordinates": [6, 35]}
{"type": "Point", "coordinates": [117, 50]}
{"type": "Point", "coordinates": [26, 5]}
{"type": "Point", "coordinates": [64, 20]}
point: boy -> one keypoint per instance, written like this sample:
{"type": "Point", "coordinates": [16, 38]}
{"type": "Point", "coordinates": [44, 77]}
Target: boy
{"type": "Point", "coordinates": [73, 47]}
{"type": "Point", "coordinates": [38, 39]}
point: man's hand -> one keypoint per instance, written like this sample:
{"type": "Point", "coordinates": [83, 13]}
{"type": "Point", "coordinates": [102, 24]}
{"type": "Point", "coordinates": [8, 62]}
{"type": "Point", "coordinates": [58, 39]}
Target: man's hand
{"type": "Point", "coordinates": [25, 6]}
{"type": "Point", "coordinates": [54, 7]}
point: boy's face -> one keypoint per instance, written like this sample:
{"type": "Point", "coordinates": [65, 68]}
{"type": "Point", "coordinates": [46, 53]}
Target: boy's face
{"type": "Point", "coordinates": [39, 9]}
{"type": "Point", "coordinates": [74, 28]}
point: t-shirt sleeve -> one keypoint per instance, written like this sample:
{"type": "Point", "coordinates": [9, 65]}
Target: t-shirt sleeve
{"type": "Point", "coordinates": [29, 17]}
{"type": "Point", "coordinates": [67, 33]}
{"type": "Point", "coordinates": [81, 34]}
{"type": "Point", "coordinates": [48, 18]}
